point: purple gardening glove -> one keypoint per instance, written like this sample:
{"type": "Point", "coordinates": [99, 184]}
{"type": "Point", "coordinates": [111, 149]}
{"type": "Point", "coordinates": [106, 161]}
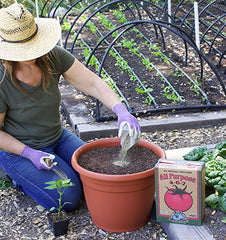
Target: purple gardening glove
{"type": "Point", "coordinates": [37, 157]}
{"type": "Point", "coordinates": [129, 128]}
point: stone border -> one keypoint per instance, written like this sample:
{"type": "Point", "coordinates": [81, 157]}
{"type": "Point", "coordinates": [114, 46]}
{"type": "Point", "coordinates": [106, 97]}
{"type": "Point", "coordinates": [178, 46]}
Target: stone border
{"type": "Point", "coordinates": [86, 127]}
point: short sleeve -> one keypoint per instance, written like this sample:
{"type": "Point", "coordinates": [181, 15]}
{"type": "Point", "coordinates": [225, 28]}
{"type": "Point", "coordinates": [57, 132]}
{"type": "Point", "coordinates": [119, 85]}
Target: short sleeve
{"type": "Point", "coordinates": [3, 106]}
{"type": "Point", "coordinates": [62, 59]}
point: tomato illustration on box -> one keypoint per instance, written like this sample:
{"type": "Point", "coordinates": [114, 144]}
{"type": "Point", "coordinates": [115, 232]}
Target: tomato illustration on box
{"type": "Point", "coordinates": [180, 191]}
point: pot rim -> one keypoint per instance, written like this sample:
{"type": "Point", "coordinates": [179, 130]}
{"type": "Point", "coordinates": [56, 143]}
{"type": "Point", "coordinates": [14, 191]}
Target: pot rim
{"type": "Point", "coordinates": [111, 142]}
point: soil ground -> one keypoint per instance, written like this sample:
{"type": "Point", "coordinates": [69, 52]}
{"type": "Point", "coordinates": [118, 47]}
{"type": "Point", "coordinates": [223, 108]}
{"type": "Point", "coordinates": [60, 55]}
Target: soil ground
{"type": "Point", "coordinates": [22, 218]}
{"type": "Point", "coordinates": [151, 89]}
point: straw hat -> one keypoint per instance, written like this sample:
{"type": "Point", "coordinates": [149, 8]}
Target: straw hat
{"type": "Point", "coordinates": [23, 37]}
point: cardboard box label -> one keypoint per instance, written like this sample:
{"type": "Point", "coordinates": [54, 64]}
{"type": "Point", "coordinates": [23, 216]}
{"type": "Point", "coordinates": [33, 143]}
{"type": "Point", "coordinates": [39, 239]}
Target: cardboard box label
{"type": "Point", "coordinates": [180, 191]}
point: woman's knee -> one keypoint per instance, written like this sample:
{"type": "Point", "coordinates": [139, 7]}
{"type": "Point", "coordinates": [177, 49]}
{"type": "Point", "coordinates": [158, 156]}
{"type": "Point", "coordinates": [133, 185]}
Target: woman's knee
{"type": "Point", "coordinates": [71, 197]}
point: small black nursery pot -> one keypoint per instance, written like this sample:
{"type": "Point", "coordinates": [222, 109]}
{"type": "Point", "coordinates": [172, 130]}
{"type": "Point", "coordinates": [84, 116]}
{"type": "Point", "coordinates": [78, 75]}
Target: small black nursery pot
{"type": "Point", "coordinates": [59, 225]}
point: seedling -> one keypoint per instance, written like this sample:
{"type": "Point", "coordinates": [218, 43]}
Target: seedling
{"type": "Point", "coordinates": [91, 25]}
{"type": "Point", "coordinates": [121, 17]}
{"type": "Point", "coordinates": [144, 91]}
{"type": "Point", "coordinates": [66, 25]}
{"type": "Point", "coordinates": [194, 88]}
{"type": "Point", "coordinates": [61, 186]}
{"type": "Point", "coordinates": [4, 184]}
{"type": "Point", "coordinates": [170, 94]}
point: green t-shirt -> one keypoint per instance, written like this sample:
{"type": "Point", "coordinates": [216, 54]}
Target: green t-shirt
{"type": "Point", "coordinates": [36, 122]}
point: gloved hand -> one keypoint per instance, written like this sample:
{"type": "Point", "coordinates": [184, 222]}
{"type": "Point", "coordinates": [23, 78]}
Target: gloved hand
{"type": "Point", "coordinates": [129, 128]}
{"type": "Point", "coordinates": [38, 157]}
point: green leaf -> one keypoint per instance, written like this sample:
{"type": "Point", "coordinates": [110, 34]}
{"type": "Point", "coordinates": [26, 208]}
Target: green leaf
{"type": "Point", "coordinates": [221, 145]}
{"type": "Point", "coordinates": [196, 154]}
{"type": "Point", "coordinates": [67, 183]}
{"type": "Point", "coordinates": [222, 202]}
{"type": "Point", "coordinates": [223, 174]}
{"type": "Point", "coordinates": [213, 174]}
{"type": "Point", "coordinates": [58, 182]}
{"type": "Point", "coordinates": [139, 90]}
{"type": "Point", "coordinates": [52, 209]}
{"type": "Point", "coordinates": [50, 187]}
{"type": "Point", "coordinates": [50, 183]}
{"type": "Point", "coordinates": [213, 181]}
{"type": "Point", "coordinates": [212, 154]}
{"type": "Point", "coordinates": [221, 190]}
{"type": "Point", "coordinates": [212, 200]}
{"type": "Point", "coordinates": [224, 220]}
{"type": "Point", "coordinates": [222, 182]}
{"type": "Point", "coordinates": [206, 158]}
{"type": "Point", "coordinates": [60, 185]}
{"type": "Point", "coordinates": [222, 153]}
{"type": "Point", "coordinates": [66, 203]}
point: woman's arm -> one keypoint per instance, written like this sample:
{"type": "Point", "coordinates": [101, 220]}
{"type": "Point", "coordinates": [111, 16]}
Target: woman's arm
{"type": "Point", "coordinates": [86, 81]}
{"type": "Point", "coordinates": [8, 142]}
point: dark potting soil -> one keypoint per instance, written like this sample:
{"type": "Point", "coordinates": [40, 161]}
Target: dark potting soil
{"type": "Point", "coordinates": [101, 160]}
{"type": "Point", "coordinates": [55, 218]}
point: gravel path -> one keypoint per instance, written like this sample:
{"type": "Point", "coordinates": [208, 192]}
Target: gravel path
{"type": "Point", "coordinates": [22, 218]}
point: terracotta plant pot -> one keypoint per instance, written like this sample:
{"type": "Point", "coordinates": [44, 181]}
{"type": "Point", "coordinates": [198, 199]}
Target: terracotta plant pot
{"type": "Point", "coordinates": [117, 203]}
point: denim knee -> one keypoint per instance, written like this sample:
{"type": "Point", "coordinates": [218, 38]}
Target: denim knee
{"type": "Point", "coordinates": [72, 197]}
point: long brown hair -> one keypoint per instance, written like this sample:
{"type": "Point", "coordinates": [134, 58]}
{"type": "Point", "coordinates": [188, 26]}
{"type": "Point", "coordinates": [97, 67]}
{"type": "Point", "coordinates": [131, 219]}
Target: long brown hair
{"type": "Point", "coordinates": [43, 62]}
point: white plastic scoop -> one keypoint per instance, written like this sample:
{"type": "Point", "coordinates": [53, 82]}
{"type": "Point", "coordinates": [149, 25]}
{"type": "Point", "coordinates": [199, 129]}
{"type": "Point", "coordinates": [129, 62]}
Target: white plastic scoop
{"type": "Point", "coordinates": [129, 137]}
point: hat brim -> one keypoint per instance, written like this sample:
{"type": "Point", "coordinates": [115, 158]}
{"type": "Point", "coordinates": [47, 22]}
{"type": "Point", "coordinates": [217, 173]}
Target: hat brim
{"type": "Point", "coordinates": [48, 35]}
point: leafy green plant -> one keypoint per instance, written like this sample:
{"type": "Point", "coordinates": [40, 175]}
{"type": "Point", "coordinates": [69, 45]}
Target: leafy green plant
{"type": "Point", "coordinates": [148, 64]}
{"type": "Point", "coordinates": [90, 24]}
{"type": "Point", "coordinates": [177, 73]}
{"type": "Point", "coordinates": [215, 172]}
{"type": "Point", "coordinates": [107, 23]}
{"type": "Point", "coordinates": [121, 16]}
{"type": "Point", "coordinates": [170, 94]}
{"type": "Point", "coordinates": [131, 45]}
{"type": "Point", "coordinates": [194, 87]}
{"type": "Point", "coordinates": [145, 91]}
{"type": "Point", "coordinates": [60, 185]}
{"type": "Point", "coordinates": [120, 62]}
{"type": "Point", "coordinates": [156, 51]}
{"type": "Point", "coordinates": [4, 184]}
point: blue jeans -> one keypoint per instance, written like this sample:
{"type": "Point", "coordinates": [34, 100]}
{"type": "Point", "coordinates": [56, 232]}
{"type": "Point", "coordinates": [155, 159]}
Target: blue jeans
{"type": "Point", "coordinates": [32, 181]}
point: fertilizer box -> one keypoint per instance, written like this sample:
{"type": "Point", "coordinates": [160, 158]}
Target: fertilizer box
{"type": "Point", "coordinates": [180, 191]}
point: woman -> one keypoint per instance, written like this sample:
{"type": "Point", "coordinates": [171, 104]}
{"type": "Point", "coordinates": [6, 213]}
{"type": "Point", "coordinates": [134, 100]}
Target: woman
{"type": "Point", "coordinates": [29, 105]}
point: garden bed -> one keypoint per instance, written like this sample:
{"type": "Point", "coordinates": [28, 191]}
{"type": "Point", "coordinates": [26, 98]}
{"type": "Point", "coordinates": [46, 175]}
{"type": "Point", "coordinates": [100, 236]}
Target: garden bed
{"type": "Point", "coordinates": [146, 65]}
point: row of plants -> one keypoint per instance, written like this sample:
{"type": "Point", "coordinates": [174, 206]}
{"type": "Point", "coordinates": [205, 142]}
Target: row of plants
{"type": "Point", "coordinates": [144, 88]}
{"type": "Point", "coordinates": [120, 61]}
{"type": "Point", "coordinates": [168, 91]}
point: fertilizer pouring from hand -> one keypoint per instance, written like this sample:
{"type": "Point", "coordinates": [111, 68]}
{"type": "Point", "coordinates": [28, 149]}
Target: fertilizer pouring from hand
{"type": "Point", "coordinates": [129, 131]}
{"type": "Point", "coordinates": [129, 137]}
{"type": "Point", "coordinates": [41, 160]}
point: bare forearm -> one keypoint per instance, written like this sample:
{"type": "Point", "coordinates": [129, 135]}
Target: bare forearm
{"type": "Point", "coordinates": [105, 94]}
{"type": "Point", "coordinates": [10, 144]}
